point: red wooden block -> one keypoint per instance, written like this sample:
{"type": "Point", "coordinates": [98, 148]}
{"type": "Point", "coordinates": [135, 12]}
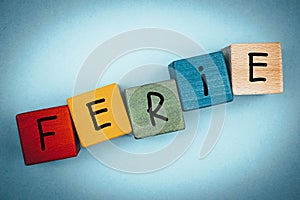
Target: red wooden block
{"type": "Point", "coordinates": [47, 135]}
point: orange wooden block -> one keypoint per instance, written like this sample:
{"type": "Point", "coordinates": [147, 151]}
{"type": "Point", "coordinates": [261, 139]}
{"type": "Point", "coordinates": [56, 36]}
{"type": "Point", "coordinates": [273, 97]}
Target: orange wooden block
{"type": "Point", "coordinates": [99, 115]}
{"type": "Point", "coordinates": [255, 68]}
{"type": "Point", "coordinates": [47, 135]}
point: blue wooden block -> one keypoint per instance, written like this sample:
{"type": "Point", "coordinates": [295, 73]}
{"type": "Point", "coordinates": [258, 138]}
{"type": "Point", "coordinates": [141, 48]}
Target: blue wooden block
{"type": "Point", "coordinates": [202, 80]}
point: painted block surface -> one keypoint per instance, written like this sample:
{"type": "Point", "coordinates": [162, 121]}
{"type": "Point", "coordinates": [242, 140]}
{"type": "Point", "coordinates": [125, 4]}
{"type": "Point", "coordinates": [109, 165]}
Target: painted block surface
{"type": "Point", "coordinates": [255, 68]}
{"type": "Point", "coordinates": [154, 109]}
{"type": "Point", "coordinates": [47, 135]}
{"type": "Point", "coordinates": [202, 80]}
{"type": "Point", "coordinates": [99, 115]}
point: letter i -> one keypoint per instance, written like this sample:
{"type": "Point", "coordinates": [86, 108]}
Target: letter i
{"type": "Point", "coordinates": [204, 82]}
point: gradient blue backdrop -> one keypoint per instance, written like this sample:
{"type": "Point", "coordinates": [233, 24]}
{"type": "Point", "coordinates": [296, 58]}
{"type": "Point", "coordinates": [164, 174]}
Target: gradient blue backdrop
{"type": "Point", "coordinates": [43, 45]}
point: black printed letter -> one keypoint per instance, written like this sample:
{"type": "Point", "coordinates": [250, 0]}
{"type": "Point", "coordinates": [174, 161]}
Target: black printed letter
{"type": "Point", "coordinates": [251, 65]}
{"type": "Point", "coordinates": [93, 113]}
{"type": "Point", "coordinates": [44, 134]}
{"type": "Point", "coordinates": [203, 77]}
{"type": "Point", "coordinates": [153, 113]}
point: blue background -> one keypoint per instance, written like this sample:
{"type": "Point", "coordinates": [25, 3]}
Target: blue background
{"type": "Point", "coordinates": [43, 45]}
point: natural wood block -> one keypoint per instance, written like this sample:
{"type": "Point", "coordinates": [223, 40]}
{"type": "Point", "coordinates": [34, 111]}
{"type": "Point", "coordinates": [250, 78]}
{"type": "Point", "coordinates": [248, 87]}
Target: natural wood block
{"type": "Point", "coordinates": [202, 80]}
{"type": "Point", "coordinates": [154, 109]}
{"type": "Point", "coordinates": [99, 115]}
{"type": "Point", "coordinates": [47, 135]}
{"type": "Point", "coordinates": [255, 68]}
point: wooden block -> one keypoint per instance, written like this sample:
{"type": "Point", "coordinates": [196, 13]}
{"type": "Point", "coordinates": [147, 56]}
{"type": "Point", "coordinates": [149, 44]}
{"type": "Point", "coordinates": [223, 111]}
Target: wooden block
{"type": "Point", "coordinates": [99, 115]}
{"type": "Point", "coordinates": [154, 109]}
{"type": "Point", "coordinates": [255, 68]}
{"type": "Point", "coordinates": [202, 80]}
{"type": "Point", "coordinates": [47, 135]}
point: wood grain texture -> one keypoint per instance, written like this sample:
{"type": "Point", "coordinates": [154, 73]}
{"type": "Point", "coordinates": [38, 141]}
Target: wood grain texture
{"type": "Point", "coordinates": [163, 98]}
{"type": "Point", "coordinates": [61, 143]}
{"type": "Point", "coordinates": [202, 80]}
{"type": "Point", "coordinates": [99, 115]}
{"type": "Point", "coordinates": [238, 59]}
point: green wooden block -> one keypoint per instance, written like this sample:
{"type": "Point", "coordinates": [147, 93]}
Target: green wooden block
{"type": "Point", "coordinates": [154, 109]}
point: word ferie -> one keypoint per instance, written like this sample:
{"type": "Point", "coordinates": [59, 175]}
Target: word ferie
{"type": "Point", "coordinates": [147, 110]}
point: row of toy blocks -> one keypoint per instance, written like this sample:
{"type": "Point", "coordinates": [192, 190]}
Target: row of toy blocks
{"type": "Point", "coordinates": [100, 115]}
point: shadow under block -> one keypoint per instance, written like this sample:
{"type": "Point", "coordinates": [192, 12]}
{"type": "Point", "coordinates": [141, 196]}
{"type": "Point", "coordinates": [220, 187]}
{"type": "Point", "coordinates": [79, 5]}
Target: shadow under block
{"type": "Point", "coordinates": [47, 135]}
{"type": "Point", "coordinates": [154, 109]}
{"type": "Point", "coordinates": [255, 68]}
{"type": "Point", "coordinates": [99, 115]}
{"type": "Point", "coordinates": [202, 80]}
